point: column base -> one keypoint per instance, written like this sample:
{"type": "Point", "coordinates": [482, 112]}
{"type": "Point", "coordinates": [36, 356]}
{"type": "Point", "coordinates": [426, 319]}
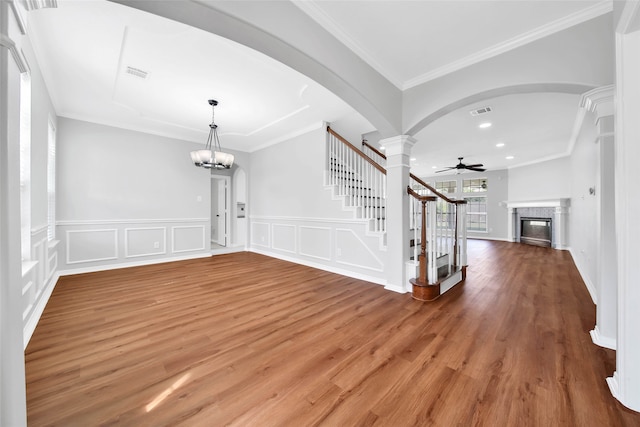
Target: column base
{"type": "Point", "coordinates": [424, 291]}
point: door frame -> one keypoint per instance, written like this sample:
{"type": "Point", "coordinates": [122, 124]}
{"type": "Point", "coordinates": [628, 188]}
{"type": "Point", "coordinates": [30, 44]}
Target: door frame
{"type": "Point", "coordinates": [226, 211]}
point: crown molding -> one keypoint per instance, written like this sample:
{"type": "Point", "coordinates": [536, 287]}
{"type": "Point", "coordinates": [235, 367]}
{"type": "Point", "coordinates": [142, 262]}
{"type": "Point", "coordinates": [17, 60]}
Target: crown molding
{"type": "Point", "coordinates": [325, 21]}
{"type": "Point", "coordinates": [18, 16]}
{"type": "Point", "coordinates": [558, 25]}
{"type": "Point", "coordinates": [599, 101]}
{"type": "Point", "coordinates": [40, 4]}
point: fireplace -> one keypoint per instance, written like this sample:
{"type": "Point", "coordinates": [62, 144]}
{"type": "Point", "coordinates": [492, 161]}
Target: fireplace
{"type": "Point", "coordinates": [536, 231]}
{"type": "Point", "coordinates": [539, 222]}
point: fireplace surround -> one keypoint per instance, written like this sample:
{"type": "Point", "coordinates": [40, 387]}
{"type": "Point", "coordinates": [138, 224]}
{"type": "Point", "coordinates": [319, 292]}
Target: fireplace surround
{"type": "Point", "coordinates": [554, 213]}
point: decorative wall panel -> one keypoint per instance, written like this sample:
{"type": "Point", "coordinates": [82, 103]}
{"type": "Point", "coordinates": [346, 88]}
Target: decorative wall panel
{"type": "Point", "coordinates": [145, 241]}
{"type": "Point", "coordinates": [91, 245]}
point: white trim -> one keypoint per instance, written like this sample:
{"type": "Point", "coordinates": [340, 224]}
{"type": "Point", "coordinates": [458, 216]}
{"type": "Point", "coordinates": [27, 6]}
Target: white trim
{"type": "Point", "coordinates": [173, 239]}
{"type": "Point", "coordinates": [17, 56]}
{"type": "Point", "coordinates": [614, 386]}
{"type": "Point", "coordinates": [295, 218]}
{"type": "Point", "coordinates": [548, 203]}
{"type": "Point", "coordinates": [543, 31]}
{"type": "Point", "coordinates": [543, 159]}
{"type": "Point", "coordinates": [317, 14]}
{"type": "Point", "coordinates": [310, 227]}
{"type": "Point", "coordinates": [602, 341]}
{"type": "Point", "coordinates": [587, 281]}
{"type": "Point", "coordinates": [323, 267]}
{"type": "Point", "coordinates": [115, 245]}
{"type": "Point", "coordinates": [381, 263]}
{"type": "Point", "coordinates": [295, 237]}
{"type": "Point", "coordinates": [264, 245]}
{"type": "Point", "coordinates": [95, 268]}
{"type": "Point", "coordinates": [38, 229]}
{"type": "Point", "coordinates": [629, 17]}
{"type": "Point", "coordinates": [128, 221]}
{"type": "Point", "coordinates": [18, 17]}
{"type": "Point", "coordinates": [36, 312]}
{"type": "Point", "coordinates": [27, 267]}
{"type": "Point", "coordinates": [289, 135]}
{"type": "Point", "coordinates": [126, 241]}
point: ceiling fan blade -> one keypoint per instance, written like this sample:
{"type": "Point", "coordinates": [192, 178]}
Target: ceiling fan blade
{"type": "Point", "coordinates": [477, 165]}
{"type": "Point", "coordinates": [475, 169]}
{"type": "Point", "coordinates": [444, 170]}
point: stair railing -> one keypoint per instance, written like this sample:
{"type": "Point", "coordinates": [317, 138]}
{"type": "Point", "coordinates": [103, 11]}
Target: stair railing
{"type": "Point", "coordinates": [358, 177]}
{"type": "Point", "coordinates": [422, 211]}
{"type": "Point", "coordinates": [373, 153]}
{"type": "Point", "coordinates": [450, 223]}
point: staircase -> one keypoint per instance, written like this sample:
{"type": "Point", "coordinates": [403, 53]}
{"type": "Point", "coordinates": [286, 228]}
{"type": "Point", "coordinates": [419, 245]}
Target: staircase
{"type": "Point", "coordinates": [437, 223]}
{"type": "Point", "coordinates": [360, 182]}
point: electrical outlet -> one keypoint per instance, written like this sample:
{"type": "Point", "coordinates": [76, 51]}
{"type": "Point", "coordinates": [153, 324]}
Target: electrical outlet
{"type": "Point", "coordinates": [156, 245]}
{"type": "Point", "coordinates": [338, 252]}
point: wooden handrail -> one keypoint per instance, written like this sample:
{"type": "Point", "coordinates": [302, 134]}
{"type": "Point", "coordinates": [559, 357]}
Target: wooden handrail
{"type": "Point", "coordinates": [374, 149]}
{"type": "Point", "coordinates": [433, 190]}
{"type": "Point", "coordinates": [360, 153]}
{"type": "Point", "coordinates": [419, 196]}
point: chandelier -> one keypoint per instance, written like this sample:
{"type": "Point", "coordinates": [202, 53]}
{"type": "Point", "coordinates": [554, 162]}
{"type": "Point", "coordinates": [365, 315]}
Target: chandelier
{"type": "Point", "coordinates": [212, 156]}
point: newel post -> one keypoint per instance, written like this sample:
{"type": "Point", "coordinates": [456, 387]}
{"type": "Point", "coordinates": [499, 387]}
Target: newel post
{"type": "Point", "coordinates": [397, 150]}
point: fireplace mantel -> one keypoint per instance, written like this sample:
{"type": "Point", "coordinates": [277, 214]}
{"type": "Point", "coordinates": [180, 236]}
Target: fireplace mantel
{"type": "Point", "coordinates": [560, 218]}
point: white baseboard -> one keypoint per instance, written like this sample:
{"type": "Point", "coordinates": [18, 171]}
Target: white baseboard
{"type": "Point", "coordinates": [590, 287]}
{"type": "Point", "coordinates": [95, 268]}
{"type": "Point", "coordinates": [601, 340]}
{"type": "Point", "coordinates": [319, 266]}
{"type": "Point", "coordinates": [34, 318]}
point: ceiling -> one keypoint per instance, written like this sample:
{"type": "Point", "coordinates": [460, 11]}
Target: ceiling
{"type": "Point", "coordinates": [84, 49]}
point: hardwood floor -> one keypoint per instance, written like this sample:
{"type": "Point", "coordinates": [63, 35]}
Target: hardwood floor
{"type": "Point", "coordinates": [246, 340]}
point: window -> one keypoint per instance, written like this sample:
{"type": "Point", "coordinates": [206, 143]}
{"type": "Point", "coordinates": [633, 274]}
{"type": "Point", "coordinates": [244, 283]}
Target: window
{"type": "Point", "coordinates": [474, 185]}
{"type": "Point", "coordinates": [51, 182]}
{"type": "Point", "coordinates": [25, 165]}
{"type": "Point", "coordinates": [444, 215]}
{"type": "Point", "coordinates": [446, 187]}
{"type": "Point", "coordinates": [476, 213]}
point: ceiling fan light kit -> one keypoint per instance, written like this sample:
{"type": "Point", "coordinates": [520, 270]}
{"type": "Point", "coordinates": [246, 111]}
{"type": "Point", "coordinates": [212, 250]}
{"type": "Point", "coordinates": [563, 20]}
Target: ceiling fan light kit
{"type": "Point", "coordinates": [212, 157]}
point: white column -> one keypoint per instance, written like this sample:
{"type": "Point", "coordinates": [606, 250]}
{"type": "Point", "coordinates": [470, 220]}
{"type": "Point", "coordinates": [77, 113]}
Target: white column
{"type": "Point", "coordinates": [625, 382]}
{"type": "Point", "coordinates": [12, 378]}
{"type": "Point", "coordinates": [397, 150]}
{"type": "Point", "coordinates": [511, 224]}
{"type": "Point", "coordinates": [600, 102]}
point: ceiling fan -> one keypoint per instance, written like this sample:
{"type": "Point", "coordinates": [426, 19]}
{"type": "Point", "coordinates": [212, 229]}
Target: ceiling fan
{"type": "Point", "coordinates": [477, 167]}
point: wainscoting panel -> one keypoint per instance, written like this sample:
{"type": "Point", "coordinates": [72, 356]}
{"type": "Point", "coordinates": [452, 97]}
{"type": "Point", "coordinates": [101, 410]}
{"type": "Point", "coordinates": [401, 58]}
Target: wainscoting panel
{"type": "Point", "coordinates": [101, 244]}
{"type": "Point", "coordinates": [38, 279]}
{"type": "Point", "coordinates": [91, 245]}
{"type": "Point", "coordinates": [344, 246]}
{"type": "Point", "coordinates": [352, 251]}
{"type": "Point", "coordinates": [284, 237]}
{"type": "Point", "coordinates": [188, 238]}
{"type": "Point", "coordinates": [315, 242]}
{"type": "Point", "coordinates": [260, 234]}
{"type": "Point", "coordinates": [145, 241]}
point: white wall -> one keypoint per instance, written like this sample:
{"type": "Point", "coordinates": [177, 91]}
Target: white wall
{"type": "Point", "coordinates": [583, 226]}
{"type": "Point", "coordinates": [294, 216]}
{"type": "Point", "coordinates": [127, 197]}
{"type": "Point", "coordinates": [541, 181]}
{"type": "Point", "coordinates": [497, 192]}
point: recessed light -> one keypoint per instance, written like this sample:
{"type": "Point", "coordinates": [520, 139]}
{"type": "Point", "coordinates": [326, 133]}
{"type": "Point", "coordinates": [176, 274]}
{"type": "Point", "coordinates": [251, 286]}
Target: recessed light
{"type": "Point", "coordinates": [509, 157]}
{"type": "Point", "coordinates": [434, 167]}
{"type": "Point", "coordinates": [413, 159]}
{"type": "Point", "coordinates": [381, 148]}
{"type": "Point", "coordinates": [500, 144]}
{"type": "Point", "coordinates": [484, 125]}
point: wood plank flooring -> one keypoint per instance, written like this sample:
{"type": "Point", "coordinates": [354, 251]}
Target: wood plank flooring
{"type": "Point", "coordinates": [246, 340]}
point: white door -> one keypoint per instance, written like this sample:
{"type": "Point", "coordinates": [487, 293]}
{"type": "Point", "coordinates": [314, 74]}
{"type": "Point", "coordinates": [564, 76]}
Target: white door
{"type": "Point", "coordinates": [219, 210]}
